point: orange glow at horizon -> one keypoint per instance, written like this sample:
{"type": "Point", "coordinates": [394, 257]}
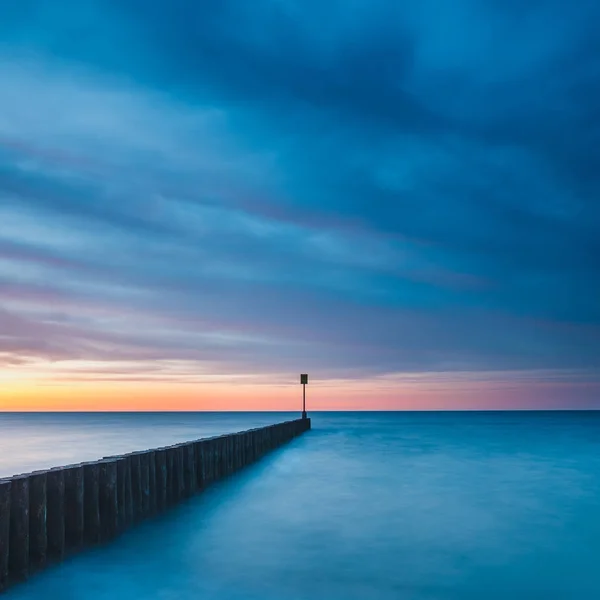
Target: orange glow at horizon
{"type": "Point", "coordinates": [420, 392]}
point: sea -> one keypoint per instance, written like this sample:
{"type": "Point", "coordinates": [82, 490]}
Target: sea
{"type": "Point", "coordinates": [381, 506]}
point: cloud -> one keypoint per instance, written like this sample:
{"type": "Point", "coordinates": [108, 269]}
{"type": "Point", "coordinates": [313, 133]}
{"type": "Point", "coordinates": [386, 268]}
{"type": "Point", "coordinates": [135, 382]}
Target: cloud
{"type": "Point", "coordinates": [361, 188]}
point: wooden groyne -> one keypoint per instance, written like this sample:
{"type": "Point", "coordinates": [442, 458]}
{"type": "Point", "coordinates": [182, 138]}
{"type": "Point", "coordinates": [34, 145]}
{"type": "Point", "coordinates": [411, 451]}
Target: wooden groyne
{"type": "Point", "coordinates": [47, 515]}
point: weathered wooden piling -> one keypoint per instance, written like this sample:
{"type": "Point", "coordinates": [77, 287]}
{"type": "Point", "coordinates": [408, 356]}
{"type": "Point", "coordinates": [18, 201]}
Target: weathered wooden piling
{"type": "Point", "coordinates": [171, 465]}
{"type": "Point", "coordinates": [38, 510]}
{"type": "Point", "coordinates": [190, 480]}
{"type": "Point", "coordinates": [228, 440]}
{"type": "Point", "coordinates": [136, 485]}
{"type": "Point", "coordinates": [145, 484]}
{"type": "Point", "coordinates": [174, 474]}
{"type": "Point", "coordinates": [209, 461]}
{"type": "Point", "coordinates": [91, 504]}
{"type": "Point", "coordinates": [216, 459]}
{"type": "Point", "coordinates": [108, 498]}
{"type": "Point", "coordinates": [199, 465]}
{"type": "Point", "coordinates": [211, 457]}
{"type": "Point", "coordinates": [235, 452]}
{"type": "Point", "coordinates": [47, 514]}
{"type": "Point", "coordinates": [5, 489]}
{"type": "Point", "coordinates": [124, 501]}
{"type": "Point", "coordinates": [222, 457]}
{"type": "Point", "coordinates": [74, 509]}
{"type": "Point", "coordinates": [162, 479]}
{"type": "Point", "coordinates": [255, 449]}
{"type": "Point", "coordinates": [152, 493]}
{"type": "Point", "coordinates": [223, 472]}
{"type": "Point", "coordinates": [55, 519]}
{"type": "Point", "coordinates": [179, 476]}
{"type": "Point", "coordinates": [232, 450]}
{"type": "Point", "coordinates": [248, 444]}
{"type": "Point", "coordinates": [248, 455]}
{"type": "Point", "coordinates": [18, 541]}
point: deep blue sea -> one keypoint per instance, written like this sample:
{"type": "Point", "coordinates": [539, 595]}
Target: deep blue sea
{"type": "Point", "coordinates": [415, 506]}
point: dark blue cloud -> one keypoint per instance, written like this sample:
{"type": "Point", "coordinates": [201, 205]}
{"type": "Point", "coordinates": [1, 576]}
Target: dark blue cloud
{"type": "Point", "coordinates": [362, 187]}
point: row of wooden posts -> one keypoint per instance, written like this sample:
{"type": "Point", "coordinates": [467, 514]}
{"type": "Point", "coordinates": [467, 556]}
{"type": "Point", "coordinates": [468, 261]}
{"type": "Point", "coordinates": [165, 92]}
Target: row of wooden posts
{"type": "Point", "coordinates": [46, 515]}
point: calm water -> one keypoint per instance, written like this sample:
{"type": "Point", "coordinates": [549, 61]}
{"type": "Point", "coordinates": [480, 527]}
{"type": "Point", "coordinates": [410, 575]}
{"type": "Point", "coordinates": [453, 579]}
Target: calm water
{"type": "Point", "coordinates": [43, 440]}
{"type": "Point", "coordinates": [419, 506]}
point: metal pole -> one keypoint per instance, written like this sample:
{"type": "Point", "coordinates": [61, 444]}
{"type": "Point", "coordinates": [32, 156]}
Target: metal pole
{"type": "Point", "coordinates": [304, 401]}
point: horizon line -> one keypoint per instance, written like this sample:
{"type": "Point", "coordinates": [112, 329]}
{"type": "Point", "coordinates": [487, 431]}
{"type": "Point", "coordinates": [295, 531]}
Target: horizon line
{"type": "Point", "coordinates": [406, 410]}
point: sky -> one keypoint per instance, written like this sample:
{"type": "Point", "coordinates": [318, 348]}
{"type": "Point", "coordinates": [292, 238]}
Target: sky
{"type": "Point", "coordinates": [201, 200]}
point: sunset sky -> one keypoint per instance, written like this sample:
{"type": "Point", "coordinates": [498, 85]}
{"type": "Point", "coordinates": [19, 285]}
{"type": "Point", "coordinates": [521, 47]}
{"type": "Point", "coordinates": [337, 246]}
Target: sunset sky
{"type": "Point", "coordinates": [200, 200]}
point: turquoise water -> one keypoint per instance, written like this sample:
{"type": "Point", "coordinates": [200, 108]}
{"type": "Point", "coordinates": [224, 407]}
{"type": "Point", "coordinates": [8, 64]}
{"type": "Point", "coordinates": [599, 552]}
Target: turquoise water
{"type": "Point", "coordinates": [30, 441]}
{"type": "Point", "coordinates": [433, 506]}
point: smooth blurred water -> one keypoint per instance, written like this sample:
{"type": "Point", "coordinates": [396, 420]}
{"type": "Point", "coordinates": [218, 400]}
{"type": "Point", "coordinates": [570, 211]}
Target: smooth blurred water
{"type": "Point", "coordinates": [427, 506]}
{"type": "Point", "coordinates": [30, 441]}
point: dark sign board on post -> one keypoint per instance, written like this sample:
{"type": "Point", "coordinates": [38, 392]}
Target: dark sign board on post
{"type": "Point", "coordinates": [304, 381]}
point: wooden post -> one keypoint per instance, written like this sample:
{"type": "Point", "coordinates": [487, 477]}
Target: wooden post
{"type": "Point", "coordinates": [152, 492]}
{"type": "Point", "coordinates": [175, 472]}
{"type": "Point", "coordinates": [225, 454]}
{"type": "Point", "coordinates": [236, 452]}
{"type": "Point", "coordinates": [160, 456]}
{"type": "Point", "coordinates": [259, 448]}
{"type": "Point", "coordinates": [209, 460]}
{"type": "Point", "coordinates": [129, 509]}
{"type": "Point", "coordinates": [55, 522]}
{"type": "Point", "coordinates": [179, 479]}
{"type": "Point", "coordinates": [136, 485]}
{"type": "Point", "coordinates": [199, 463]}
{"type": "Point", "coordinates": [217, 471]}
{"type": "Point", "coordinates": [125, 507]}
{"type": "Point", "coordinates": [230, 454]}
{"type": "Point", "coordinates": [231, 449]}
{"type": "Point", "coordinates": [91, 502]}
{"type": "Point", "coordinates": [251, 445]}
{"type": "Point", "coordinates": [219, 466]}
{"type": "Point", "coordinates": [74, 508]}
{"type": "Point", "coordinates": [18, 544]}
{"type": "Point", "coordinates": [38, 511]}
{"type": "Point", "coordinates": [108, 502]}
{"type": "Point", "coordinates": [216, 459]}
{"type": "Point", "coordinates": [259, 442]}
{"type": "Point", "coordinates": [224, 441]}
{"type": "Point", "coordinates": [145, 483]}
{"type": "Point", "coordinates": [5, 489]}
{"type": "Point", "coordinates": [248, 446]}
{"type": "Point", "coordinates": [189, 469]}
{"type": "Point", "coordinates": [170, 475]}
